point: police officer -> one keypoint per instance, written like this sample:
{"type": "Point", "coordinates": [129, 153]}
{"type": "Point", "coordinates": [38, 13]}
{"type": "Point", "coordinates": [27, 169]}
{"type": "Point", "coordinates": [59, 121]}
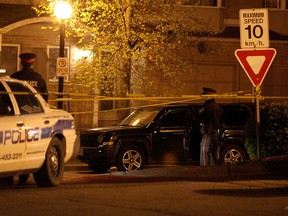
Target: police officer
{"type": "Point", "coordinates": [210, 126]}
{"type": "Point", "coordinates": [29, 75]}
{"type": "Point", "coordinates": [34, 79]}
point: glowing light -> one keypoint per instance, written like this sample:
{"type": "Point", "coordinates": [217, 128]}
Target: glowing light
{"type": "Point", "coordinates": [84, 53]}
{"type": "Point", "coordinates": [136, 122]}
{"type": "Point", "coordinates": [81, 54]}
{"type": "Point", "coordinates": [63, 10]}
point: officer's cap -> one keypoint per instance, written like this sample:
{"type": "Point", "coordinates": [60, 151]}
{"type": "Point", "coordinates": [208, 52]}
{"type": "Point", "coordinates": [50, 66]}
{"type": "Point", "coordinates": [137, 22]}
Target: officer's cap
{"type": "Point", "coordinates": [208, 91]}
{"type": "Point", "coordinates": [27, 57]}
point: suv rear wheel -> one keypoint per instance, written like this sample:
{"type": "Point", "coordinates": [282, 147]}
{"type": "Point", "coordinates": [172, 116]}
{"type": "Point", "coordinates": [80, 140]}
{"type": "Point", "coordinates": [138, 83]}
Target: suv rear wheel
{"type": "Point", "coordinates": [130, 158]}
{"type": "Point", "coordinates": [232, 154]}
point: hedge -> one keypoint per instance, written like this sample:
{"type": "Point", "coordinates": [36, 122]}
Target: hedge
{"type": "Point", "coordinates": [273, 131]}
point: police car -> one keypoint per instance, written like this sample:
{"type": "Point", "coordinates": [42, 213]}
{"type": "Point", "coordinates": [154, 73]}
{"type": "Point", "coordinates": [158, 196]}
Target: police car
{"type": "Point", "coordinates": [34, 138]}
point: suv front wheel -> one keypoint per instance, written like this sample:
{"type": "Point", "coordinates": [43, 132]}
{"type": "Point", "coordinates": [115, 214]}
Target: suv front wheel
{"type": "Point", "coordinates": [130, 158]}
{"type": "Point", "coordinates": [232, 154]}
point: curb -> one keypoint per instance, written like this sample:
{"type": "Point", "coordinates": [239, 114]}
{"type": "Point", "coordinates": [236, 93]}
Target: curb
{"type": "Point", "coordinates": [268, 169]}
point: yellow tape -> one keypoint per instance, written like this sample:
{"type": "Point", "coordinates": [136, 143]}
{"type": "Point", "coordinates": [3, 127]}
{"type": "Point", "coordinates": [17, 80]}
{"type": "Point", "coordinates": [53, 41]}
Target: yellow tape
{"type": "Point", "coordinates": [157, 101]}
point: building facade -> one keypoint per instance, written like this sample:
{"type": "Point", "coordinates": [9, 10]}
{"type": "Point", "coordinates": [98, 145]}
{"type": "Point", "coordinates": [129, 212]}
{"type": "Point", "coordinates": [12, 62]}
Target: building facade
{"type": "Point", "coordinates": [22, 31]}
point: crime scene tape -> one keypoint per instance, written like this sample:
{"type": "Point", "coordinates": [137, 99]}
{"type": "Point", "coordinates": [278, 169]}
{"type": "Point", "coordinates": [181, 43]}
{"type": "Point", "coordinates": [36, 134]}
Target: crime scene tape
{"type": "Point", "coordinates": [154, 100]}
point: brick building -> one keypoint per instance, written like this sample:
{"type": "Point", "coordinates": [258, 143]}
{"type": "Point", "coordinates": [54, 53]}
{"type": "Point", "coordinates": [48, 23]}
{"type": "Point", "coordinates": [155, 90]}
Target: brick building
{"type": "Point", "coordinates": [22, 31]}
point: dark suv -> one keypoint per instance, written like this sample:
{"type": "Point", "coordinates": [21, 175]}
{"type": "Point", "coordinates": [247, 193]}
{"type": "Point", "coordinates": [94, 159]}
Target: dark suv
{"type": "Point", "coordinates": [167, 134]}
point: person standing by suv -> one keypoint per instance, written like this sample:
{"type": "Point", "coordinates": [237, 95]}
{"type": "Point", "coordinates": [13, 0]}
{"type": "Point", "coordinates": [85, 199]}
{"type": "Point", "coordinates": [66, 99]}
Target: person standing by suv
{"type": "Point", "coordinates": [210, 126]}
{"type": "Point", "coordinates": [29, 75]}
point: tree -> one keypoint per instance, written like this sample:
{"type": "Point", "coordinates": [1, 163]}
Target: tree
{"type": "Point", "coordinates": [131, 38]}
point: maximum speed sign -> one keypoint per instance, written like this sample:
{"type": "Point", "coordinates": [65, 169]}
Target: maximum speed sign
{"type": "Point", "coordinates": [254, 28]}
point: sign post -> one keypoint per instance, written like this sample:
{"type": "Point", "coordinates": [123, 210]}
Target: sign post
{"type": "Point", "coordinates": [255, 56]}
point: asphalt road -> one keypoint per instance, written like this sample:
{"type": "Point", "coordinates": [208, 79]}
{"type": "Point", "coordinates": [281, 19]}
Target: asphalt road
{"type": "Point", "coordinates": [144, 193]}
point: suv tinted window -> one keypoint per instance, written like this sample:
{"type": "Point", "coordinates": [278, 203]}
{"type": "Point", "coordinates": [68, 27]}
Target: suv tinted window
{"type": "Point", "coordinates": [26, 100]}
{"type": "Point", "coordinates": [139, 117]}
{"type": "Point", "coordinates": [175, 118]}
{"type": "Point", "coordinates": [235, 116]}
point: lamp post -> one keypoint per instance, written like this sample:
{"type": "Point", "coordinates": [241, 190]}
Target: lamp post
{"type": "Point", "coordinates": [62, 10]}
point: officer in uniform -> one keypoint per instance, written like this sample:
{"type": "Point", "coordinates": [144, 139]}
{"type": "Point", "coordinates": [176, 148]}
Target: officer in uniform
{"type": "Point", "coordinates": [34, 79]}
{"type": "Point", "coordinates": [29, 75]}
{"type": "Point", "coordinates": [210, 126]}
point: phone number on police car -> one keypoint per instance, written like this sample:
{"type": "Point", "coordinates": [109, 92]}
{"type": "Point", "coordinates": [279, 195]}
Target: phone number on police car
{"type": "Point", "coordinates": [13, 156]}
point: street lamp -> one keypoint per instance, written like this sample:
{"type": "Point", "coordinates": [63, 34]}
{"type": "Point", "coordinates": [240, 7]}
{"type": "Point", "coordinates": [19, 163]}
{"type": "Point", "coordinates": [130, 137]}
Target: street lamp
{"type": "Point", "coordinates": [62, 10]}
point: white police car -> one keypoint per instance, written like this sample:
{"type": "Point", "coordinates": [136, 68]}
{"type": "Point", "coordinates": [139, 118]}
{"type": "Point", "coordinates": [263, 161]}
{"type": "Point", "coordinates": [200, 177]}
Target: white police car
{"type": "Point", "coordinates": [34, 138]}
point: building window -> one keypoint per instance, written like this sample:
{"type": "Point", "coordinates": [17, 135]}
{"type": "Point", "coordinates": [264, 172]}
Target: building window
{"type": "Point", "coordinates": [53, 54]}
{"type": "Point", "coordinates": [215, 3]}
{"type": "Point", "coordinates": [272, 3]}
{"type": "Point", "coordinates": [9, 58]}
{"type": "Point", "coordinates": [169, 1]}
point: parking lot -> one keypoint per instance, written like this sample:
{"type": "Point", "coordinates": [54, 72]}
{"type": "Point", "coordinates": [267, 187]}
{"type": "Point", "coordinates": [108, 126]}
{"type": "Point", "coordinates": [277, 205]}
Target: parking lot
{"type": "Point", "coordinates": [155, 191]}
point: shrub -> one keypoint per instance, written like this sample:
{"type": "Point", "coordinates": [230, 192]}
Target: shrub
{"type": "Point", "coordinates": [273, 131]}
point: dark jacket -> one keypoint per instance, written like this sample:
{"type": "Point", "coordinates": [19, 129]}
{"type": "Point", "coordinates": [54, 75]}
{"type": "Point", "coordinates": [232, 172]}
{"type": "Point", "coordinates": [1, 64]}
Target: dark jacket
{"type": "Point", "coordinates": [34, 79]}
{"type": "Point", "coordinates": [211, 117]}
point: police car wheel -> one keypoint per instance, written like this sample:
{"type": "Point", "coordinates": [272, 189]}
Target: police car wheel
{"type": "Point", "coordinates": [51, 172]}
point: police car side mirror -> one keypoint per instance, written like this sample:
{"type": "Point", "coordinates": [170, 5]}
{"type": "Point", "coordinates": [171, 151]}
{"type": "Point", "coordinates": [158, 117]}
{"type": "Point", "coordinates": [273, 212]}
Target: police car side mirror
{"type": "Point", "coordinates": [5, 110]}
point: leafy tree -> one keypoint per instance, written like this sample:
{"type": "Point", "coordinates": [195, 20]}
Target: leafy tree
{"type": "Point", "coordinates": [132, 38]}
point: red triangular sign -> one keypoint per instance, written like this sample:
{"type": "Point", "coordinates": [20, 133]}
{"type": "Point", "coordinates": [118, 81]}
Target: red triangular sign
{"type": "Point", "coordinates": [255, 63]}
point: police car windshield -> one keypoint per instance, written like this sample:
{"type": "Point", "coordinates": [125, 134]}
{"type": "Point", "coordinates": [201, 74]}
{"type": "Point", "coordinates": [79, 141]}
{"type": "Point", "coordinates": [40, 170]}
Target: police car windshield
{"type": "Point", "coordinates": [138, 118]}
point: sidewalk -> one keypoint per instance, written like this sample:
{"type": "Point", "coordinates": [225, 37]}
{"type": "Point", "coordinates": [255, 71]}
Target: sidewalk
{"type": "Point", "coordinates": [267, 169]}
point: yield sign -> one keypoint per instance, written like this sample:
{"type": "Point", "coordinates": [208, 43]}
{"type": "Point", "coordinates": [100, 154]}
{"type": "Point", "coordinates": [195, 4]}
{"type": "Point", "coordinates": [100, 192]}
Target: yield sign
{"type": "Point", "coordinates": [256, 63]}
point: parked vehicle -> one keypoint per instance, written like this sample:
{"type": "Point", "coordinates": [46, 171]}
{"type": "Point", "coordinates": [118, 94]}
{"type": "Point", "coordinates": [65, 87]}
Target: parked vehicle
{"type": "Point", "coordinates": [34, 138]}
{"type": "Point", "coordinates": [167, 134]}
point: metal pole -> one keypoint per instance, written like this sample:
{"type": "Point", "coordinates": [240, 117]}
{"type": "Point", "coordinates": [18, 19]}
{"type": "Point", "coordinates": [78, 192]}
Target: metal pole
{"type": "Point", "coordinates": [257, 93]}
{"type": "Point", "coordinates": [61, 54]}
